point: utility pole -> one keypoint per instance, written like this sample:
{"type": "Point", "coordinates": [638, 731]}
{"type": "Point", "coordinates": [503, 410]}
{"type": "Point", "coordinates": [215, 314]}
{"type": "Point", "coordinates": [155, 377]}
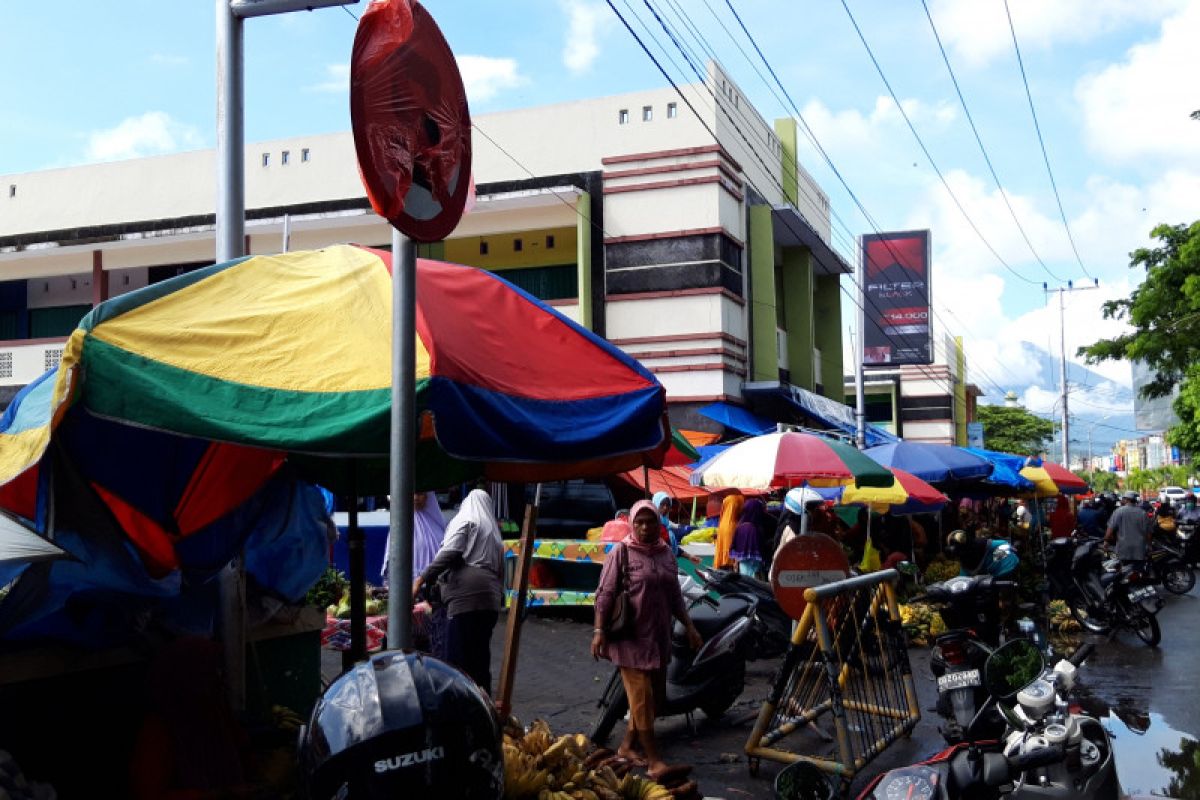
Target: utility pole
{"type": "Point", "coordinates": [1062, 341]}
{"type": "Point", "coordinates": [857, 344]}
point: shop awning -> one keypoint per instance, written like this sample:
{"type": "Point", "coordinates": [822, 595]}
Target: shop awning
{"type": "Point", "coordinates": [738, 418]}
{"type": "Point", "coordinates": [784, 400]}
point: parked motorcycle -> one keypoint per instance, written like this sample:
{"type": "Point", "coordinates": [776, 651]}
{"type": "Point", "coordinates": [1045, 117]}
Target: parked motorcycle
{"type": "Point", "coordinates": [969, 605]}
{"type": "Point", "coordinates": [1112, 594]}
{"type": "Point", "coordinates": [1187, 541]}
{"type": "Point", "coordinates": [1165, 565]}
{"type": "Point", "coordinates": [1049, 753]}
{"type": "Point", "coordinates": [772, 628]}
{"type": "Point", "coordinates": [709, 679]}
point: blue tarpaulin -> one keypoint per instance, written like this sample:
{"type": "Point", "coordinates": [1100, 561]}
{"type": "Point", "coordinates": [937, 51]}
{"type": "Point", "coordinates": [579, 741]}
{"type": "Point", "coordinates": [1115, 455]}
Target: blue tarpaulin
{"type": "Point", "coordinates": [738, 418]}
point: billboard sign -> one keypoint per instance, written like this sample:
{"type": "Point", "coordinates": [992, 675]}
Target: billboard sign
{"type": "Point", "coordinates": [975, 435]}
{"type": "Point", "coordinates": [896, 299]}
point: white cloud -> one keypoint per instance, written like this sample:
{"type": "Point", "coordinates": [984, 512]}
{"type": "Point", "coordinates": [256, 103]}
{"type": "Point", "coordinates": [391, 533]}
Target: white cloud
{"type": "Point", "coordinates": [978, 32]}
{"type": "Point", "coordinates": [1139, 107]}
{"type": "Point", "coordinates": [337, 79]}
{"type": "Point", "coordinates": [134, 137]}
{"type": "Point", "coordinates": [484, 77]}
{"type": "Point", "coordinates": [850, 130]}
{"type": "Point", "coordinates": [586, 21]}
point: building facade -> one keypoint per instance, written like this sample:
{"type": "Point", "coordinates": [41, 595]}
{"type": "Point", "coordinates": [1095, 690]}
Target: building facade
{"type": "Point", "coordinates": [694, 241]}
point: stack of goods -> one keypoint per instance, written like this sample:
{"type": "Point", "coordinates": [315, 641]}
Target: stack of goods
{"type": "Point", "coordinates": [941, 569]}
{"type": "Point", "coordinates": [921, 623]}
{"type": "Point", "coordinates": [537, 766]}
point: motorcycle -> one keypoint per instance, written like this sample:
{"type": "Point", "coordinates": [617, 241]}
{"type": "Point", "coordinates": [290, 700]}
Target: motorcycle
{"type": "Point", "coordinates": [970, 608]}
{"type": "Point", "coordinates": [709, 679]}
{"type": "Point", "coordinates": [1113, 595]}
{"type": "Point", "coordinates": [772, 628]}
{"type": "Point", "coordinates": [1187, 541]}
{"type": "Point", "coordinates": [1165, 565]}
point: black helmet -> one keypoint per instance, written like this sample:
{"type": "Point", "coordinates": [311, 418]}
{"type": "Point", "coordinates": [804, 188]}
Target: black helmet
{"type": "Point", "coordinates": [402, 724]}
{"type": "Point", "coordinates": [958, 543]}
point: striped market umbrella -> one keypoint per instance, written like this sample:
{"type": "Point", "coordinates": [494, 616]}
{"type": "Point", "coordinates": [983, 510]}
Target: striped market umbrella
{"type": "Point", "coordinates": [292, 353]}
{"type": "Point", "coordinates": [784, 460]}
{"type": "Point", "coordinates": [1050, 479]}
{"type": "Point", "coordinates": [909, 495]}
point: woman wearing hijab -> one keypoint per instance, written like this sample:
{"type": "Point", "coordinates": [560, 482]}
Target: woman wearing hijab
{"type": "Point", "coordinates": [731, 513]}
{"type": "Point", "coordinates": [642, 566]}
{"type": "Point", "coordinates": [670, 532]}
{"type": "Point", "coordinates": [429, 528]}
{"type": "Point", "coordinates": [472, 558]}
{"type": "Point", "coordinates": [747, 538]}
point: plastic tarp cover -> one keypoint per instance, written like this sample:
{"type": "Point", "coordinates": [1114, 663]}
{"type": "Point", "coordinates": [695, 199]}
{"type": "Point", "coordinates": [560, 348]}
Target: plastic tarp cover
{"type": "Point", "coordinates": [18, 544]}
{"type": "Point", "coordinates": [737, 418]}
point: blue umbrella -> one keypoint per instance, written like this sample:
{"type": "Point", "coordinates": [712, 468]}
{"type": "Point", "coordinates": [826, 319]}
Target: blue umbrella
{"type": "Point", "coordinates": [933, 463]}
{"type": "Point", "coordinates": [1007, 472]}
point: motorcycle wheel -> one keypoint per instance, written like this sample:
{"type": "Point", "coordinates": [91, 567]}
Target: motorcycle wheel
{"type": "Point", "coordinates": [1147, 629]}
{"type": "Point", "coordinates": [613, 713]}
{"type": "Point", "coordinates": [1178, 578]}
{"type": "Point", "coordinates": [714, 708]}
{"type": "Point", "coordinates": [1079, 611]}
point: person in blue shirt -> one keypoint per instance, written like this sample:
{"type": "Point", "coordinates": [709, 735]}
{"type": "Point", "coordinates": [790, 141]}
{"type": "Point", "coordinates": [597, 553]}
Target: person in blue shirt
{"type": "Point", "coordinates": [982, 556]}
{"type": "Point", "coordinates": [1091, 518]}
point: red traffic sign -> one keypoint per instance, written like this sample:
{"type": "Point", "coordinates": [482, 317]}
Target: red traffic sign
{"type": "Point", "coordinates": [802, 564]}
{"type": "Point", "coordinates": [411, 124]}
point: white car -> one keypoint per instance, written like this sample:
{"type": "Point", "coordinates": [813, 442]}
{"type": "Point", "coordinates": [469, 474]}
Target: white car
{"type": "Point", "coordinates": [1173, 493]}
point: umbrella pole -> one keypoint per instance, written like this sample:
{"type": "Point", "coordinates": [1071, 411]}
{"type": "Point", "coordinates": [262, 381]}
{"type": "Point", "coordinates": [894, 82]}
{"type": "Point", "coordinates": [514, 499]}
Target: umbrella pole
{"type": "Point", "coordinates": [357, 556]}
{"type": "Point", "coordinates": [516, 609]}
{"type": "Point", "coordinates": [646, 480]}
{"type": "Point", "coordinates": [402, 450]}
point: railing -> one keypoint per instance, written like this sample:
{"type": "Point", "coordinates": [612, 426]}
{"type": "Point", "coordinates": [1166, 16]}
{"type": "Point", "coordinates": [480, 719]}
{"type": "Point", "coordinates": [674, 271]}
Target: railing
{"type": "Point", "coordinates": [847, 663]}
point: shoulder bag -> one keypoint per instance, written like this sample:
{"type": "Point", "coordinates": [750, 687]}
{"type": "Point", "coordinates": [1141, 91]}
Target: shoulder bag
{"type": "Point", "coordinates": [621, 623]}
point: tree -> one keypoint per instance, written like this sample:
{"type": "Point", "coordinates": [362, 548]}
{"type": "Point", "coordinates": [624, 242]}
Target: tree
{"type": "Point", "coordinates": [1100, 480]}
{"type": "Point", "coordinates": [1164, 313]}
{"type": "Point", "coordinates": [1014, 430]}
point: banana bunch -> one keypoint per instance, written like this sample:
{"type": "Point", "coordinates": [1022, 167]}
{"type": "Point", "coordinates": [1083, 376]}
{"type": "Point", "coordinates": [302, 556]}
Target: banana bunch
{"type": "Point", "coordinates": [632, 788]}
{"type": "Point", "coordinates": [921, 622]}
{"type": "Point", "coordinates": [941, 569]}
{"type": "Point", "coordinates": [538, 739]}
{"type": "Point", "coordinates": [522, 778]}
{"type": "Point", "coordinates": [1060, 619]}
{"type": "Point", "coordinates": [285, 719]}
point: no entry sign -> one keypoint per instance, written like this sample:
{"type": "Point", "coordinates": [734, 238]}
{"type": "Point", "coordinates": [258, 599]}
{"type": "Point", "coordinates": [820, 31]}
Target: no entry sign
{"type": "Point", "coordinates": [803, 563]}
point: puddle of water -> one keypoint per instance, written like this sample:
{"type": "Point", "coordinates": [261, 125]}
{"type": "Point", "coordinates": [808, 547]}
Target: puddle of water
{"type": "Point", "coordinates": [1160, 761]}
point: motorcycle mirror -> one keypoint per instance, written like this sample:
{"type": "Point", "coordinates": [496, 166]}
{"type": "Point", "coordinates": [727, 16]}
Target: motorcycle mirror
{"type": "Point", "coordinates": [803, 781]}
{"type": "Point", "coordinates": [907, 568]}
{"type": "Point", "coordinates": [1012, 667]}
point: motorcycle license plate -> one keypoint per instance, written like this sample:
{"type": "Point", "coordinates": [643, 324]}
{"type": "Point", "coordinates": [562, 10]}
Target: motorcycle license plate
{"type": "Point", "coordinates": [1143, 593]}
{"type": "Point", "coordinates": [966, 679]}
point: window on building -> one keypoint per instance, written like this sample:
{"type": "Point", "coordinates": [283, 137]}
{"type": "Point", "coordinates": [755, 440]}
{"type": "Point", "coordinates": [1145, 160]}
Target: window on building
{"type": "Point", "coordinates": [546, 283]}
{"type": "Point", "coordinates": [647, 113]}
{"type": "Point", "coordinates": [304, 154]}
{"type": "Point", "coordinates": [266, 159]}
{"type": "Point", "coordinates": [518, 245]}
{"type": "Point", "coordinates": [623, 116]}
{"type": "Point", "coordinates": [550, 241]}
{"type": "Point", "coordinates": [483, 248]}
{"type": "Point", "coordinates": [672, 110]}
{"type": "Point", "coordinates": [284, 157]}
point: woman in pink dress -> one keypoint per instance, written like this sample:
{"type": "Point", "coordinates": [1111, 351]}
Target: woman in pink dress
{"type": "Point", "coordinates": [657, 602]}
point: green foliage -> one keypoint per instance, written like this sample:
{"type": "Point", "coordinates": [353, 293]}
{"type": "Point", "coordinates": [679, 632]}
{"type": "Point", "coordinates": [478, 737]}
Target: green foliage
{"type": "Point", "coordinates": [1164, 312]}
{"type": "Point", "coordinates": [1014, 430]}
{"type": "Point", "coordinates": [1101, 480]}
{"type": "Point", "coordinates": [327, 590]}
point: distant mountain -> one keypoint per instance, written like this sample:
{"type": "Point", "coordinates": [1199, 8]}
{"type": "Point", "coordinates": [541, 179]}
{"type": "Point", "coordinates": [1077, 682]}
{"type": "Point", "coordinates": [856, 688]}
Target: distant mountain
{"type": "Point", "coordinates": [1090, 395]}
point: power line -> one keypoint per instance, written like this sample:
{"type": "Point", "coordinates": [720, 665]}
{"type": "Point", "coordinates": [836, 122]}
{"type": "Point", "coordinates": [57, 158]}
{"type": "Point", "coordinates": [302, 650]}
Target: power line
{"type": "Point", "coordinates": [979, 141]}
{"type": "Point", "coordinates": [721, 107]}
{"type": "Point", "coordinates": [925, 150]}
{"type": "Point", "coordinates": [1041, 141]}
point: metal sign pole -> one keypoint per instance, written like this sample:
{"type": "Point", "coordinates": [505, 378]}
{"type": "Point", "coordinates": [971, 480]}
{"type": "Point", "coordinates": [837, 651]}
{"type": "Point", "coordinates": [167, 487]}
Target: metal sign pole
{"type": "Point", "coordinates": [401, 455]}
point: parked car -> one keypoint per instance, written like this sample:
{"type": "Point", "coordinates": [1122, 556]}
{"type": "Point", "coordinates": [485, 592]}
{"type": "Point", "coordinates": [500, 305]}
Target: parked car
{"type": "Point", "coordinates": [1175, 494]}
{"type": "Point", "coordinates": [569, 509]}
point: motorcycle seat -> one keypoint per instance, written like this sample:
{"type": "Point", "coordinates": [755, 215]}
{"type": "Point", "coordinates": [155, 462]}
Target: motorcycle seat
{"type": "Point", "coordinates": [709, 620]}
{"type": "Point", "coordinates": [1108, 577]}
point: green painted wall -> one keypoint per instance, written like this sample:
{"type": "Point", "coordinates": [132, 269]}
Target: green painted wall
{"type": "Point", "coordinates": [765, 350]}
{"type": "Point", "coordinates": [960, 394]}
{"type": "Point", "coordinates": [798, 314]}
{"type": "Point", "coordinates": [785, 130]}
{"type": "Point", "coordinates": [583, 257]}
{"type": "Point", "coordinates": [827, 322]}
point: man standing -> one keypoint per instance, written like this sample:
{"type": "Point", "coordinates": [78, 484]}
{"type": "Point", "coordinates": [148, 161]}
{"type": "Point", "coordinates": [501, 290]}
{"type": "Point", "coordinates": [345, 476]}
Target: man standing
{"type": "Point", "coordinates": [1129, 527]}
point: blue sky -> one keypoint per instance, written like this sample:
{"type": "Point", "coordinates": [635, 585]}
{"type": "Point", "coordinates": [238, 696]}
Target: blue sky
{"type": "Point", "coordinates": [90, 81]}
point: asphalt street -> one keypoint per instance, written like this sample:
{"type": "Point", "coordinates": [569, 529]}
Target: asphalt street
{"type": "Point", "coordinates": [1147, 696]}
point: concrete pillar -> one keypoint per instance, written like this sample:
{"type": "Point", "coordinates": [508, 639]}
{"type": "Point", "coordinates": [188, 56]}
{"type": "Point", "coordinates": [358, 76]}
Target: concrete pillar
{"type": "Point", "coordinates": [99, 279]}
{"type": "Point", "coordinates": [764, 355]}
{"type": "Point", "coordinates": [583, 256]}
{"type": "Point", "coordinates": [797, 294]}
{"type": "Point", "coordinates": [827, 322]}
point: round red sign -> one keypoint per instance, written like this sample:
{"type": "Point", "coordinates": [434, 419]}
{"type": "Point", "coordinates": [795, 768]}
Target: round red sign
{"type": "Point", "coordinates": [806, 561]}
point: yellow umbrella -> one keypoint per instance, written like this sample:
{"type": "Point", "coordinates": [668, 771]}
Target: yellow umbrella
{"type": "Point", "coordinates": [908, 495]}
{"type": "Point", "coordinates": [1050, 480]}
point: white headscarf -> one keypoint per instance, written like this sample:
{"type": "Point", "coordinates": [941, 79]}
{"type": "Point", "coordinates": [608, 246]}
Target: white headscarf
{"type": "Point", "coordinates": [475, 533]}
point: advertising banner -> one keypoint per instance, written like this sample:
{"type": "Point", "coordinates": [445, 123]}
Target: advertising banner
{"type": "Point", "coordinates": [896, 299]}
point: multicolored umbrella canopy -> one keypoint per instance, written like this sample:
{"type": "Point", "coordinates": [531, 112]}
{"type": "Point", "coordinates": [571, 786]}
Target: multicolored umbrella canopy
{"type": "Point", "coordinates": [292, 353]}
{"type": "Point", "coordinates": [909, 495]}
{"type": "Point", "coordinates": [781, 460]}
{"type": "Point", "coordinates": [934, 463]}
{"type": "Point", "coordinates": [1050, 479]}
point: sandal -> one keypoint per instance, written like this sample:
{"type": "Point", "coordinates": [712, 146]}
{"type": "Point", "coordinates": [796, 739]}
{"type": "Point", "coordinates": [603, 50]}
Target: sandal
{"type": "Point", "coordinates": [672, 774]}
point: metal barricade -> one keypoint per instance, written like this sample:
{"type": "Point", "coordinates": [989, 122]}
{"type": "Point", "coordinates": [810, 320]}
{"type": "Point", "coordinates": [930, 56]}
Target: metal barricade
{"type": "Point", "coordinates": [847, 662]}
